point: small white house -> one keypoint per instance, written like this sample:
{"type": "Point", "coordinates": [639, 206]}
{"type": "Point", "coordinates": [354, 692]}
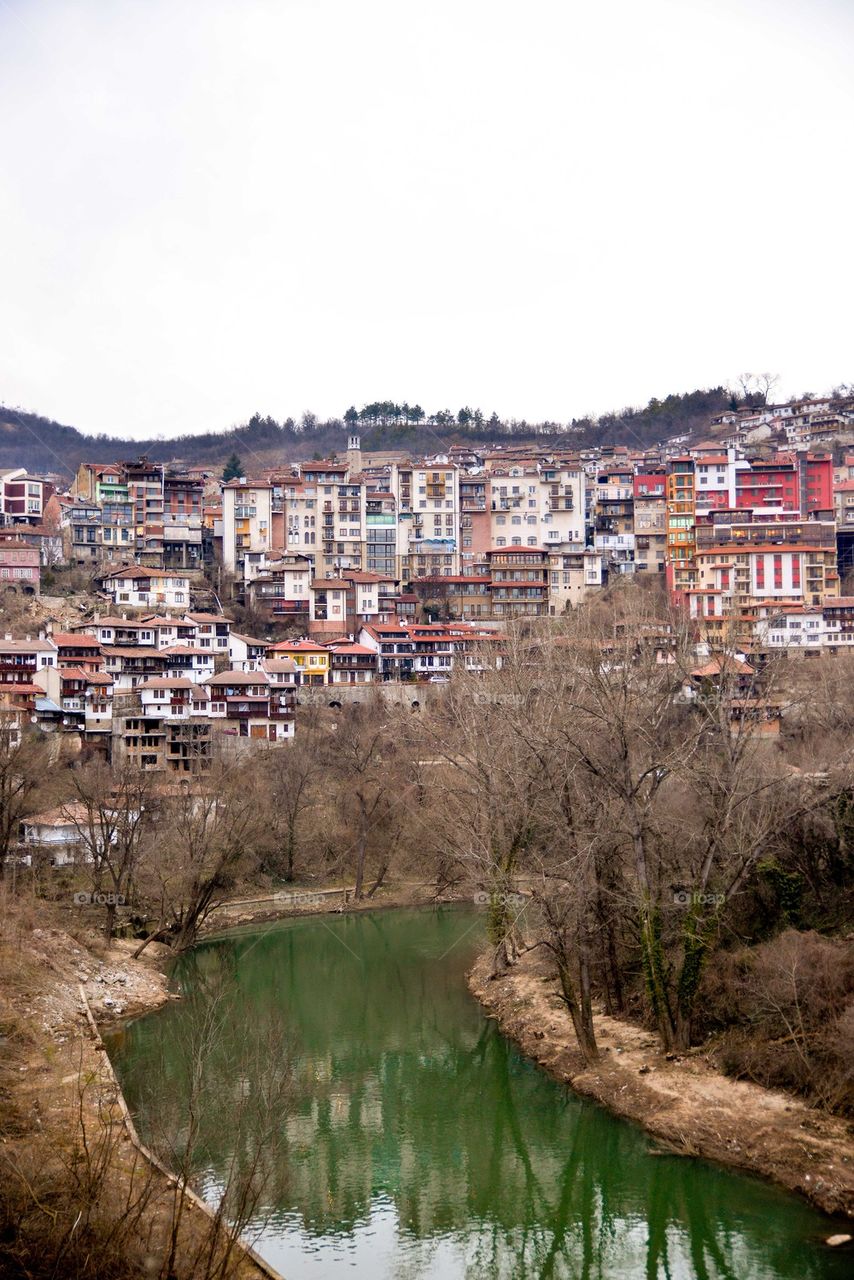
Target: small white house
{"type": "Point", "coordinates": [172, 699]}
{"type": "Point", "coordinates": [58, 835]}
{"type": "Point", "coordinates": [142, 588]}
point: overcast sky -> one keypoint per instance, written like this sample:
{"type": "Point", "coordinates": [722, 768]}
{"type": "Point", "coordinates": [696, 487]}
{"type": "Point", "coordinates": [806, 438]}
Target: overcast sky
{"type": "Point", "coordinates": [544, 208]}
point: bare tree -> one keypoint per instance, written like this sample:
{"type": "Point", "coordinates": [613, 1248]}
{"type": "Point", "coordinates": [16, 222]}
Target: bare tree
{"type": "Point", "coordinates": [24, 759]}
{"type": "Point", "coordinates": [289, 777]}
{"type": "Point", "coordinates": [112, 817]}
{"type": "Point", "coordinates": [363, 754]}
{"type": "Point", "coordinates": [209, 834]}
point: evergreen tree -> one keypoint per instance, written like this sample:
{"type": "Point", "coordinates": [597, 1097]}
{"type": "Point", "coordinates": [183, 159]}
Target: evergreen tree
{"type": "Point", "coordinates": [233, 468]}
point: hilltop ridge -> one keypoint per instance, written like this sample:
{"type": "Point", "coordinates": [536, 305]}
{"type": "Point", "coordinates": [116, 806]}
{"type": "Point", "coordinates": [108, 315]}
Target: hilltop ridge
{"type": "Point", "coordinates": [43, 445]}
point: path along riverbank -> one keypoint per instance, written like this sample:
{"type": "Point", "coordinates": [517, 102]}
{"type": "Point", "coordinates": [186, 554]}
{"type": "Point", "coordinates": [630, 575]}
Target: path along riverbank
{"type": "Point", "coordinates": [685, 1104]}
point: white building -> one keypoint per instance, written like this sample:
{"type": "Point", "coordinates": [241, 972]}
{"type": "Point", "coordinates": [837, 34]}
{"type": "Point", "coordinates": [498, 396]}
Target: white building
{"type": "Point", "coordinates": [171, 698]}
{"type": "Point", "coordinates": [58, 836]}
{"type": "Point", "coordinates": [142, 588]}
{"type": "Point", "coordinates": [427, 501]}
{"type": "Point", "coordinates": [247, 521]}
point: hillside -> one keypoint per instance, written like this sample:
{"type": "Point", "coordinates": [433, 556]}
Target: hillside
{"type": "Point", "coordinates": [42, 445]}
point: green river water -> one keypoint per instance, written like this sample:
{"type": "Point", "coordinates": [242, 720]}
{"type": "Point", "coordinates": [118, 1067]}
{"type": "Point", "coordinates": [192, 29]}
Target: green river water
{"type": "Point", "coordinates": [415, 1141]}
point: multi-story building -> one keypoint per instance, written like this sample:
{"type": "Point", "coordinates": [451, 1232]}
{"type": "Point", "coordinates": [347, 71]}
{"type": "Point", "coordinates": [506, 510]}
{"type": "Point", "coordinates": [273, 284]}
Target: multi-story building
{"type": "Point", "coordinates": [170, 732]}
{"type": "Point", "coordinates": [145, 494]}
{"type": "Point", "coordinates": [312, 659]}
{"type": "Point", "coordinates": [572, 576]}
{"type": "Point", "coordinates": [540, 504]}
{"type": "Point", "coordinates": [427, 499]}
{"type": "Point", "coordinates": [279, 587]}
{"type": "Point", "coordinates": [245, 704]}
{"type": "Point", "coordinates": [809, 629]}
{"type": "Point", "coordinates": [351, 663]}
{"type": "Point", "coordinates": [746, 561]}
{"type": "Point", "coordinates": [650, 520]}
{"type": "Point", "coordinates": [22, 497]}
{"type": "Point", "coordinates": [139, 587]}
{"type": "Point", "coordinates": [183, 495]}
{"type": "Point", "coordinates": [340, 516]}
{"type": "Point", "coordinates": [247, 522]}
{"type": "Point", "coordinates": [430, 651]}
{"type": "Point", "coordinates": [339, 605]}
{"type": "Point", "coordinates": [679, 500]}
{"type": "Point", "coordinates": [519, 581]}
{"type": "Point", "coordinates": [475, 522]}
{"type": "Point", "coordinates": [301, 519]}
{"type": "Point", "coordinates": [380, 532]}
{"type": "Point", "coordinates": [20, 568]}
{"type": "Point", "coordinates": [212, 631]}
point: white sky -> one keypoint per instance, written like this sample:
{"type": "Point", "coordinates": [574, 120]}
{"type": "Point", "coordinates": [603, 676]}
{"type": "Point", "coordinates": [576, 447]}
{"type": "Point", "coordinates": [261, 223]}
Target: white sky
{"type": "Point", "coordinates": [545, 208]}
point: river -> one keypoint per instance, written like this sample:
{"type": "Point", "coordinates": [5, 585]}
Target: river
{"type": "Point", "coordinates": [403, 1136]}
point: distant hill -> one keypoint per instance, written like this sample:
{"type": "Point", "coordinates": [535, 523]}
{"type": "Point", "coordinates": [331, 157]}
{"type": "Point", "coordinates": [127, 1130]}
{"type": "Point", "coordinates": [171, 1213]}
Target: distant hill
{"type": "Point", "coordinates": [42, 445]}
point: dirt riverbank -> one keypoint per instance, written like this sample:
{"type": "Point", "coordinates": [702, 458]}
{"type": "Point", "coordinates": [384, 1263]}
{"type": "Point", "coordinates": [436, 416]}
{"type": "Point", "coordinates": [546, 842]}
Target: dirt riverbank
{"type": "Point", "coordinates": [57, 1072]}
{"type": "Point", "coordinates": [684, 1103]}
{"type": "Point", "coordinates": [66, 1140]}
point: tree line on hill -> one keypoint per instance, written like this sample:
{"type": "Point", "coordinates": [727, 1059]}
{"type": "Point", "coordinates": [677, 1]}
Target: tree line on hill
{"type": "Point", "coordinates": [45, 446]}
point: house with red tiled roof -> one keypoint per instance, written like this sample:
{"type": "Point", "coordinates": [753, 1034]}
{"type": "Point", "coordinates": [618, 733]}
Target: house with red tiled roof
{"type": "Point", "coordinates": [351, 663]}
{"type": "Point", "coordinates": [76, 650]}
{"type": "Point", "coordinates": [311, 659]}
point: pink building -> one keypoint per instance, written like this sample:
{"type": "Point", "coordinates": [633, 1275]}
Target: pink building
{"type": "Point", "coordinates": [19, 567]}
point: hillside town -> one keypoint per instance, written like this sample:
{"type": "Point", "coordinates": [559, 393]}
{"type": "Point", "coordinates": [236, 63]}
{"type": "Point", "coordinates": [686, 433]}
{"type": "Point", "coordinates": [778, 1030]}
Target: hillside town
{"type": "Point", "coordinates": [380, 569]}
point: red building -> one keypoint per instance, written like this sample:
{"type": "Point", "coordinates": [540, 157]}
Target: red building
{"type": "Point", "coordinates": [801, 483]}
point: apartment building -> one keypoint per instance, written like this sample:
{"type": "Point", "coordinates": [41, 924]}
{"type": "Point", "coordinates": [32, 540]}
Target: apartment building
{"type": "Point", "coordinates": [279, 587]}
{"type": "Point", "coordinates": [342, 603]}
{"type": "Point", "coordinates": [519, 581]}
{"type": "Point", "coordinates": [183, 496]}
{"type": "Point", "coordinates": [22, 497]}
{"type": "Point", "coordinates": [247, 522]}
{"type": "Point", "coordinates": [746, 560]}
{"type": "Point", "coordinates": [340, 513]}
{"type": "Point", "coordinates": [427, 500]}
{"type": "Point", "coordinates": [681, 519]}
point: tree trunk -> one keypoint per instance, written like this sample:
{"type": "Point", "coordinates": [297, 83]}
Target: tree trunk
{"type": "Point", "coordinates": [653, 965]}
{"type": "Point", "coordinates": [580, 1011]}
{"type": "Point", "coordinates": [361, 851]}
{"type": "Point", "coordinates": [289, 873]}
{"type": "Point", "coordinates": [381, 874]}
{"type": "Point", "coordinates": [110, 922]}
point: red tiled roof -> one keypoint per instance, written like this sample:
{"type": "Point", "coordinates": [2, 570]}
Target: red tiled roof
{"type": "Point", "coordinates": [296, 646]}
{"type": "Point", "coordinates": [65, 640]}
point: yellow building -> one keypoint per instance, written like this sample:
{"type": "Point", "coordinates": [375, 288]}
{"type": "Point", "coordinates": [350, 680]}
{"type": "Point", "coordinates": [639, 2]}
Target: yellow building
{"type": "Point", "coordinates": [312, 659]}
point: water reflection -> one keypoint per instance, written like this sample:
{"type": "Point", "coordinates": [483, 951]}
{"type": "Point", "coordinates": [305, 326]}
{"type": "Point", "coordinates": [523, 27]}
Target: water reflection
{"type": "Point", "coordinates": [418, 1143]}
